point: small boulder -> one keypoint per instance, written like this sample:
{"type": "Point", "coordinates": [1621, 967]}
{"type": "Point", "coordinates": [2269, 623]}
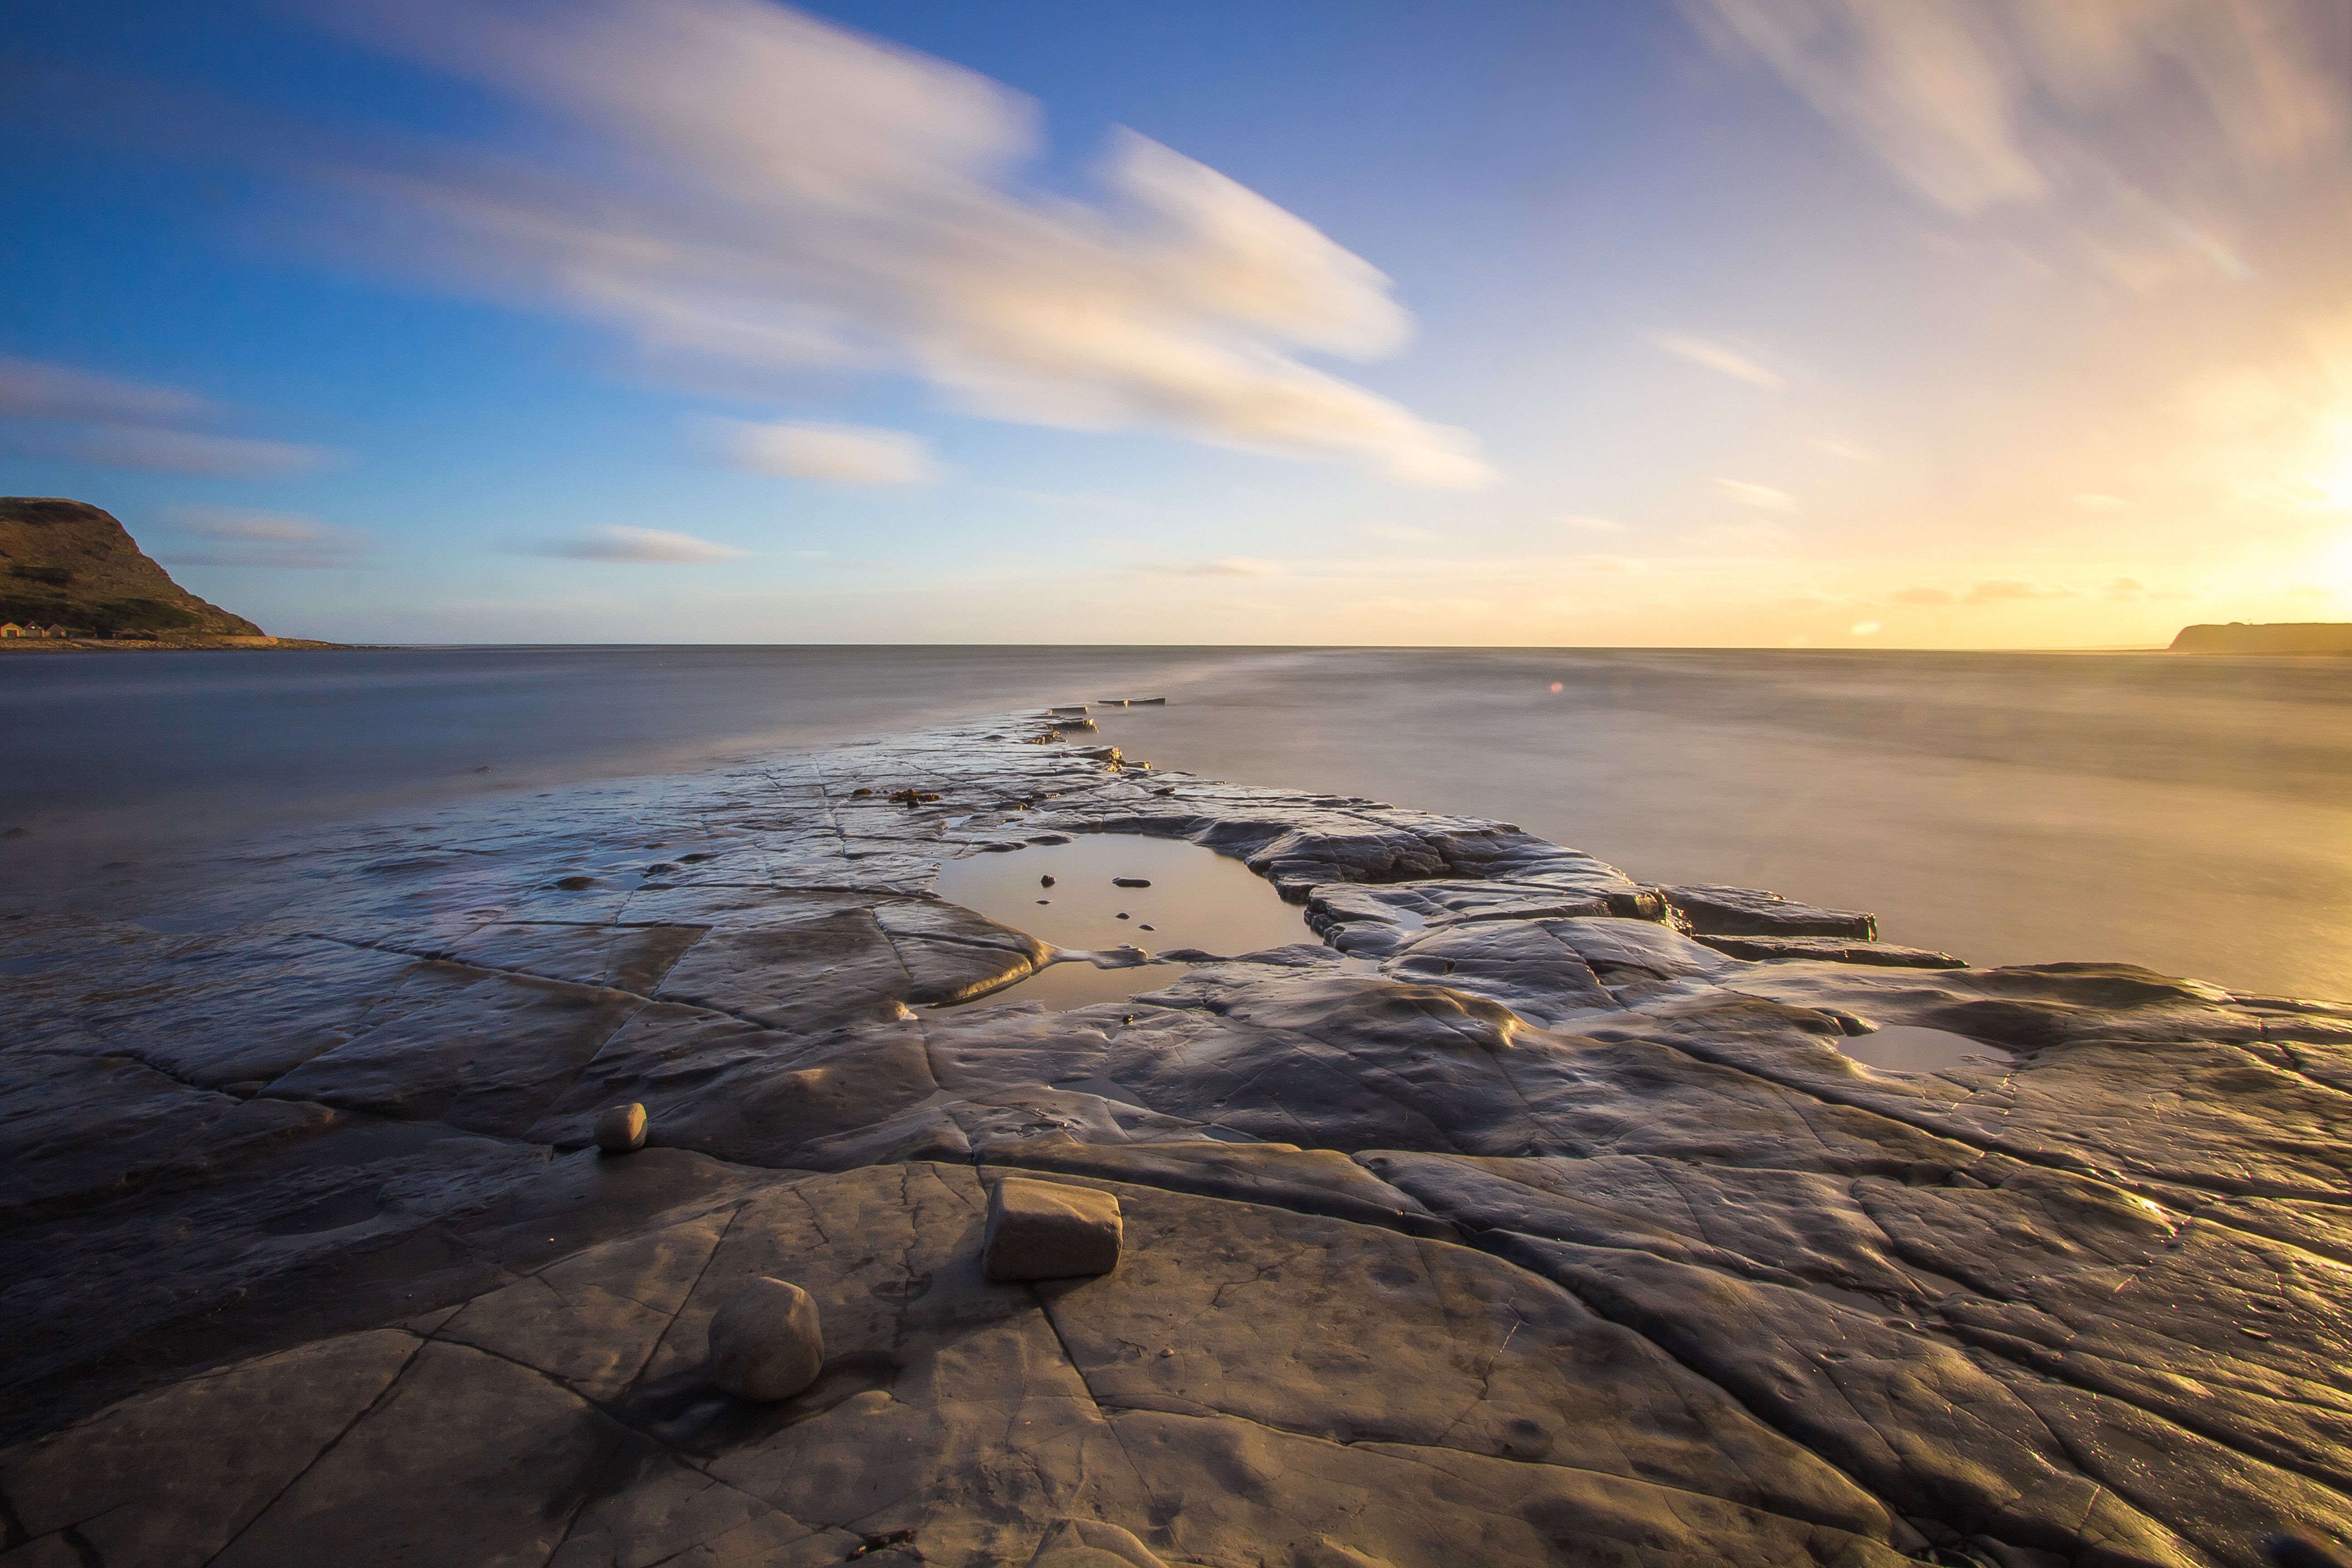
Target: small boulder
{"type": "Point", "coordinates": [622, 1129]}
{"type": "Point", "coordinates": [1092, 1543]}
{"type": "Point", "coordinates": [1044, 1230]}
{"type": "Point", "coordinates": [765, 1341]}
{"type": "Point", "coordinates": [1044, 881]}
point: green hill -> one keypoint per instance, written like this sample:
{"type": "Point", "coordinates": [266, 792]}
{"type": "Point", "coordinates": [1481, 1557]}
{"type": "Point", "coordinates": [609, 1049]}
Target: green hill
{"type": "Point", "coordinates": [67, 563]}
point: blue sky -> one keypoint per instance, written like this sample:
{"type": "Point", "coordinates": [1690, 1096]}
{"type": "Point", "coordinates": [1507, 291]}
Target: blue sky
{"type": "Point", "coordinates": [1743, 321]}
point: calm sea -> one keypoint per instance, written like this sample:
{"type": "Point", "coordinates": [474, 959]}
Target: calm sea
{"type": "Point", "coordinates": [2190, 814]}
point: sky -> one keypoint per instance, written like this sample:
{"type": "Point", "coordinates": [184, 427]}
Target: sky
{"type": "Point", "coordinates": [1730, 322]}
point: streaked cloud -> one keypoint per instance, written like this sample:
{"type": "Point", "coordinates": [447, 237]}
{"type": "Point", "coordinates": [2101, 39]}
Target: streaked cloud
{"type": "Point", "coordinates": [1764, 498]}
{"type": "Point", "coordinates": [1926, 594]}
{"type": "Point", "coordinates": [60, 412]}
{"type": "Point", "coordinates": [1717, 357]}
{"type": "Point", "coordinates": [740, 183]}
{"type": "Point", "coordinates": [2017, 590]}
{"type": "Point", "coordinates": [649, 546]}
{"type": "Point", "coordinates": [1837, 447]}
{"type": "Point", "coordinates": [1998, 101]}
{"type": "Point", "coordinates": [1228, 566]}
{"type": "Point", "coordinates": [264, 539]}
{"type": "Point", "coordinates": [189, 452]}
{"type": "Point", "coordinates": [834, 454]}
{"type": "Point", "coordinates": [30, 389]}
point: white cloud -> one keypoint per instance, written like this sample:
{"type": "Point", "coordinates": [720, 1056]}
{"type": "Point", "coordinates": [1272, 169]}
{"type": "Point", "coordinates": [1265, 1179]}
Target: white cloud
{"type": "Point", "coordinates": [746, 184]}
{"type": "Point", "coordinates": [1981, 103]}
{"type": "Point", "coordinates": [1851, 451]}
{"type": "Point", "coordinates": [268, 539]}
{"type": "Point", "coordinates": [1716, 357]}
{"type": "Point", "coordinates": [56, 411]}
{"type": "Point", "coordinates": [835, 454]}
{"type": "Point", "coordinates": [2141, 134]}
{"type": "Point", "coordinates": [173, 452]}
{"type": "Point", "coordinates": [1229, 566]}
{"type": "Point", "coordinates": [30, 389]}
{"type": "Point", "coordinates": [1764, 498]}
{"type": "Point", "coordinates": [642, 546]}
{"type": "Point", "coordinates": [2010, 590]}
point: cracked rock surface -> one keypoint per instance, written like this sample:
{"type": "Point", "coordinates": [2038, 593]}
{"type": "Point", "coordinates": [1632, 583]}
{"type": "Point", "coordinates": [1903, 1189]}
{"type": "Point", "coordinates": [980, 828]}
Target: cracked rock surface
{"type": "Point", "coordinates": [1530, 1215]}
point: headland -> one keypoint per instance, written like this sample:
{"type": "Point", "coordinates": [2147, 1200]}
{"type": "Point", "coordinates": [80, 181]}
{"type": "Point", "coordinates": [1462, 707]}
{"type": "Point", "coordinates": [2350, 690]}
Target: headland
{"type": "Point", "coordinates": [72, 578]}
{"type": "Point", "coordinates": [2279, 637]}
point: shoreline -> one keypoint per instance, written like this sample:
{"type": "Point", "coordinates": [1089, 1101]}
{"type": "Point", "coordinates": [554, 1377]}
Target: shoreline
{"type": "Point", "coordinates": [162, 645]}
{"type": "Point", "coordinates": [313, 1137]}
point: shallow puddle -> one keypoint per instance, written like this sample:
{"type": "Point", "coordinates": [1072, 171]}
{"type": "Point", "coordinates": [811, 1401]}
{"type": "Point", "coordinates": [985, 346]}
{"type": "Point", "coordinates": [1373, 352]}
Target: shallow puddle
{"type": "Point", "coordinates": [1197, 899]}
{"type": "Point", "coordinates": [1907, 1048]}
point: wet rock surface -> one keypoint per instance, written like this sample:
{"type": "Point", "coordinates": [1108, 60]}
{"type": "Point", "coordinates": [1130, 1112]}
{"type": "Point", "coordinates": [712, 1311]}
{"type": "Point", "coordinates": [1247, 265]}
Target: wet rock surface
{"type": "Point", "coordinates": [1534, 1216]}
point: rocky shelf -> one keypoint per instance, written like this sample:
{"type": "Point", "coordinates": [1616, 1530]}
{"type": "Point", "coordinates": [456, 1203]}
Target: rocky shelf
{"type": "Point", "coordinates": [1532, 1215]}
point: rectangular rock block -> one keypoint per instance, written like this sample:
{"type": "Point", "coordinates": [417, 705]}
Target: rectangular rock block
{"type": "Point", "coordinates": [1044, 1230]}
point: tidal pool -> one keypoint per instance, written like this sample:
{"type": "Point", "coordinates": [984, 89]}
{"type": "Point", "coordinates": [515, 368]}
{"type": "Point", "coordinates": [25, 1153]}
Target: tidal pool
{"type": "Point", "coordinates": [1198, 898]}
{"type": "Point", "coordinates": [1907, 1048]}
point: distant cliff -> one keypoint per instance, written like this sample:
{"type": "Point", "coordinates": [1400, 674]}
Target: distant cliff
{"type": "Point", "coordinates": [63, 562]}
{"type": "Point", "coordinates": [2284, 637]}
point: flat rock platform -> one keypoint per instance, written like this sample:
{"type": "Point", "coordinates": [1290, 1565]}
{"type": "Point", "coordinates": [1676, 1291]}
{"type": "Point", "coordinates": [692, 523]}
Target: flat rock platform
{"type": "Point", "coordinates": [1502, 1218]}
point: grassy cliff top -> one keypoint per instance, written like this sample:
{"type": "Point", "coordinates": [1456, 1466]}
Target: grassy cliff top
{"type": "Point", "coordinates": [65, 562]}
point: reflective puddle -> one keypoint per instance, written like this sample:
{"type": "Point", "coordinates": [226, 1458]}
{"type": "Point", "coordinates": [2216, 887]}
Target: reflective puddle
{"type": "Point", "coordinates": [1198, 898]}
{"type": "Point", "coordinates": [1907, 1048]}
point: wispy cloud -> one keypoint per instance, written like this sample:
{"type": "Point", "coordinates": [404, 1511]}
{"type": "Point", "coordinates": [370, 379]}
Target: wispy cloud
{"type": "Point", "coordinates": [649, 546]}
{"type": "Point", "coordinates": [745, 184]}
{"type": "Point", "coordinates": [1075, 501]}
{"type": "Point", "coordinates": [266, 538]}
{"type": "Point", "coordinates": [835, 454]}
{"type": "Point", "coordinates": [2127, 116]}
{"type": "Point", "coordinates": [1971, 103]}
{"type": "Point", "coordinates": [1229, 566]}
{"type": "Point", "coordinates": [30, 389]}
{"type": "Point", "coordinates": [1764, 498]}
{"type": "Point", "coordinates": [2013, 590]}
{"type": "Point", "coordinates": [1717, 357]}
{"type": "Point", "coordinates": [60, 412]}
{"type": "Point", "coordinates": [1923, 594]}
{"type": "Point", "coordinates": [1583, 524]}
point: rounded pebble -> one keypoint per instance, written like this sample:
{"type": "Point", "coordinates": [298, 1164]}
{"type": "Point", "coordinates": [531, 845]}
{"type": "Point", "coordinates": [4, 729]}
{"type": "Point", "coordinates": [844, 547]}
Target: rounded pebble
{"type": "Point", "coordinates": [621, 1130]}
{"type": "Point", "coordinates": [765, 1343]}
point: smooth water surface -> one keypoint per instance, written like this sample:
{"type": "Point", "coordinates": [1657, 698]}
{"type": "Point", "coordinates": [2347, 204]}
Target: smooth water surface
{"type": "Point", "coordinates": [2191, 813]}
{"type": "Point", "coordinates": [1907, 1048]}
{"type": "Point", "coordinates": [1198, 898]}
